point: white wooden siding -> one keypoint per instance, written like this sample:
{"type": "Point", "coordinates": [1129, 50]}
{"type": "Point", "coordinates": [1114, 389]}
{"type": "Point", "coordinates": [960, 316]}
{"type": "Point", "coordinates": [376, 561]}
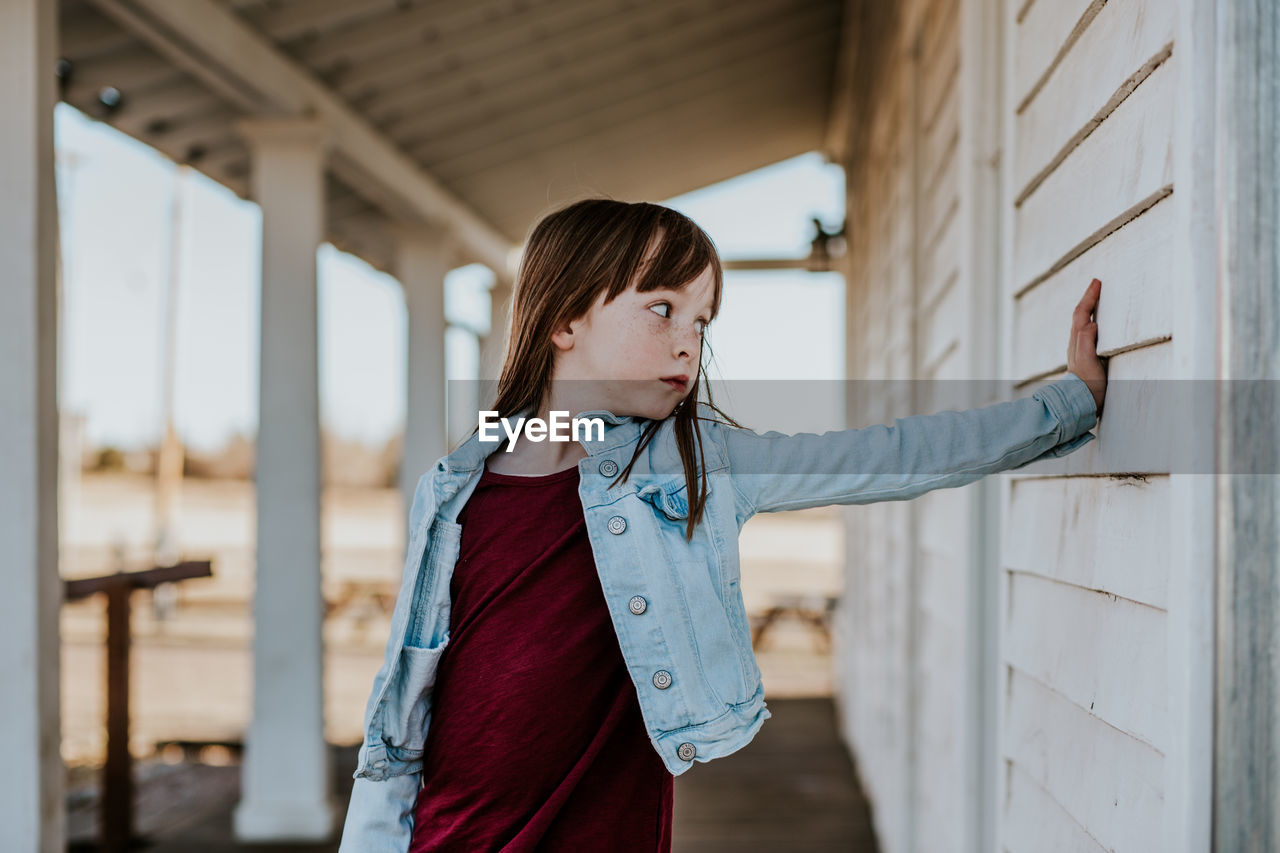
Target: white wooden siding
{"type": "Point", "coordinates": [1114, 54]}
{"type": "Point", "coordinates": [941, 562]}
{"type": "Point", "coordinates": [1108, 782]}
{"type": "Point", "coordinates": [1112, 176]}
{"type": "Point", "coordinates": [1114, 671]}
{"type": "Point", "coordinates": [1037, 822]}
{"type": "Point", "coordinates": [908, 565]}
{"type": "Point", "coordinates": [1107, 534]}
{"type": "Point", "coordinates": [880, 341]}
{"type": "Point", "coordinates": [1085, 720]}
{"type": "Point", "coordinates": [1088, 679]}
{"type": "Point", "coordinates": [1138, 258]}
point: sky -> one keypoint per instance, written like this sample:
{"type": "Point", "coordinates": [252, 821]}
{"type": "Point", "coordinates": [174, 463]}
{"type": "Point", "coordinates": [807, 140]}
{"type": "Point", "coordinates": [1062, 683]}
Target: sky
{"type": "Point", "coordinates": [116, 197]}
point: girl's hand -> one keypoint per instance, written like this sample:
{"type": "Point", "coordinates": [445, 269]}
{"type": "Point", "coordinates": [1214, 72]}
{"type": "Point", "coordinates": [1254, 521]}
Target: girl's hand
{"type": "Point", "coordinates": [1082, 348]}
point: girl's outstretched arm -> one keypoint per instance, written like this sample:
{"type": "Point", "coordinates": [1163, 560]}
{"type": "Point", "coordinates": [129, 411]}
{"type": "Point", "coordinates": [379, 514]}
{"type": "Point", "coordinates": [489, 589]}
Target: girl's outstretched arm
{"type": "Point", "coordinates": [773, 471]}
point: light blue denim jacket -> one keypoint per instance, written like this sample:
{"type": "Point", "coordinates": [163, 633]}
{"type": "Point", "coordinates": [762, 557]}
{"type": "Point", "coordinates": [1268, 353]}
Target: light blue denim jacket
{"type": "Point", "coordinates": [676, 605]}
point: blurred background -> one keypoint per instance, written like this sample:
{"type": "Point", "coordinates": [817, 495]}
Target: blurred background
{"type": "Point", "coordinates": [162, 276]}
{"type": "Point", "coordinates": [155, 295]}
{"type": "Point", "coordinates": [257, 251]}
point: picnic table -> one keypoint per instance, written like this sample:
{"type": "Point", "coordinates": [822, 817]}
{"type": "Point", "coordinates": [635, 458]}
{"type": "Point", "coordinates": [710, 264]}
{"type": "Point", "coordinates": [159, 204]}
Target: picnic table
{"type": "Point", "coordinates": [814, 609]}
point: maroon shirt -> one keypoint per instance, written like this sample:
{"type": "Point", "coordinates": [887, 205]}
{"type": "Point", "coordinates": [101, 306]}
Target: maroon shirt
{"type": "Point", "coordinates": [535, 740]}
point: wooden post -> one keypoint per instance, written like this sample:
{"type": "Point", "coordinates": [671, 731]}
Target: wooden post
{"type": "Point", "coordinates": [1246, 766]}
{"type": "Point", "coordinates": [117, 775]}
{"type": "Point", "coordinates": [116, 824]}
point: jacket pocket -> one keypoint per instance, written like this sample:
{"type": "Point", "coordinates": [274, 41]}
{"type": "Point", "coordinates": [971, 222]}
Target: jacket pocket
{"type": "Point", "coordinates": [409, 700]}
{"type": "Point", "coordinates": [710, 630]}
{"type": "Point", "coordinates": [671, 498]}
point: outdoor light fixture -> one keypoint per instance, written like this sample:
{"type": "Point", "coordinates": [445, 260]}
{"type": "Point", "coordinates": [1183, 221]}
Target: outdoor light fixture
{"type": "Point", "coordinates": [110, 98]}
{"type": "Point", "coordinates": [826, 247]}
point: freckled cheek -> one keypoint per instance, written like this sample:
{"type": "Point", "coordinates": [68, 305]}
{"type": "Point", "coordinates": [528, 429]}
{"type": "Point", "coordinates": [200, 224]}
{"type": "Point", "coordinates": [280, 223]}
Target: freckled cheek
{"type": "Point", "coordinates": [640, 351]}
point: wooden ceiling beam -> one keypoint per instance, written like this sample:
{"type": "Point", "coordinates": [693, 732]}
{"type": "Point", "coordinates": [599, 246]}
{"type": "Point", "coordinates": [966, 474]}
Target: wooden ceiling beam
{"type": "Point", "coordinates": [657, 168]}
{"type": "Point", "coordinates": [598, 45]}
{"type": "Point", "coordinates": [158, 109]}
{"type": "Point", "coordinates": [865, 43]}
{"type": "Point", "coordinates": [423, 24]}
{"type": "Point", "coordinates": [128, 72]}
{"type": "Point", "coordinates": [774, 99]}
{"type": "Point", "coordinates": [313, 17]}
{"type": "Point", "coordinates": [763, 51]}
{"type": "Point", "coordinates": [219, 47]}
{"type": "Point", "coordinates": [486, 47]}
{"type": "Point", "coordinates": [601, 55]}
{"type": "Point", "coordinates": [84, 33]}
{"type": "Point", "coordinates": [724, 96]}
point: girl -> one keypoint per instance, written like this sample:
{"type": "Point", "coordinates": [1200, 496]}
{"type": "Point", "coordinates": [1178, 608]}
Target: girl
{"type": "Point", "coordinates": [570, 629]}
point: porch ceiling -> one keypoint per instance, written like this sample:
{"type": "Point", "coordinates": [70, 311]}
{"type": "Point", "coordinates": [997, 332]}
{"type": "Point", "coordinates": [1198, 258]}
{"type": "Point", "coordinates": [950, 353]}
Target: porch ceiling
{"type": "Point", "coordinates": [488, 112]}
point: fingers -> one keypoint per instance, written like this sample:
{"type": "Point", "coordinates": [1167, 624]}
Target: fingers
{"type": "Point", "coordinates": [1086, 343]}
{"type": "Point", "coordinates": [1085, 307]}
{"type": "Point", "coordinates": [1083, 339]}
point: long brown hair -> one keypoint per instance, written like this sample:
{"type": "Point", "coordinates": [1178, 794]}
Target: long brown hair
{"type": "Point", "coordinates": [571, 255]}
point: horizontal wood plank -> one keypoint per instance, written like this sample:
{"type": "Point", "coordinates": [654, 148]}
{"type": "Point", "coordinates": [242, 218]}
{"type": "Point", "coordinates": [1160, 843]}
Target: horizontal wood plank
{"type": "Point", "coordinates": [1147, 426]}
{"type": "Point", "coordinates": [940, 203]}
{"type": "Point", "coordinates": [939, 144]}
{"type": "Point", "coordinates": [1135, 266]}
{"type": "Point", "coordinates": [940, 323]}
{"type": "Point", "coordinates": [1042, 35]}
{"type": "Point", "coordinates": [944, 521]}
{"type": "Point", "coordinates": [1035, 822]}
{"type": "Point", "coordinates": [1097, 533]}
{"type": "Point", "coordinates": [940, 260]}
{"type": "Point", "coordinates": [1109, 783]}
{"type": "Point", "coordinates": [947, 364]}
{"type": "Point", "coordinates": [1118, 170]}
{"type": "Point", "coordinates": [1110, 60]}
{"type": "Point", "coordinates": [1104, 653]}
{"type": "Point", "coordinates": [940, 59]}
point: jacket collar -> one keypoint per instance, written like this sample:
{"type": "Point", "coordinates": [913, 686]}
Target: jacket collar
{"type": "Point", "coordinates": [619, 430]}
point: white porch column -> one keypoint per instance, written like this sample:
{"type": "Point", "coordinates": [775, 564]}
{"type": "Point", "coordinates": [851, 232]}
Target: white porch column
{"type": "Point", "coordinates": [493, 346]}
{"type": "Point", "coordinates": [423, 256]}
{"type": "Point", "coordinates": [32, 811]}
{"type": "Point", "coordinates": [285, 779]}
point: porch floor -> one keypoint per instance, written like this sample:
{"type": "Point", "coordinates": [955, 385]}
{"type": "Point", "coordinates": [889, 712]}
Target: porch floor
{"type": "Point", "coordinates": [792, 788]}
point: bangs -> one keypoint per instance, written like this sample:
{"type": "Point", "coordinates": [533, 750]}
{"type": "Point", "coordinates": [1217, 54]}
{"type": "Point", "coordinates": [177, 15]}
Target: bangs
{"type": "Point", "coordinates": [684, 252]}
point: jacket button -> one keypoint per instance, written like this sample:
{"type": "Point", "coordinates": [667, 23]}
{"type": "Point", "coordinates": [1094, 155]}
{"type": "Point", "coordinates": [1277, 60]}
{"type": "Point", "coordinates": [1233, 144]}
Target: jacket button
{"type": "Point", "coordinates": [379, 764]}
{"type": "Point", "coordinates": [686, 751]}
{"type": "Point", "coordinates": [637, 604]}
{"type": "Point", "coordinates": [608, 467]}
{"type": "Point", "coordinates": [662, 679]}
{"type": "Point", "coordinates": [617, 524]}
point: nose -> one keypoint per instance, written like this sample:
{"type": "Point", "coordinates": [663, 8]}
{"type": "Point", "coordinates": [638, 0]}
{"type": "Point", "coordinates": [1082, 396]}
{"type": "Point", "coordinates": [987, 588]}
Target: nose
{"type": "Point", "coordinates": [688, 344]}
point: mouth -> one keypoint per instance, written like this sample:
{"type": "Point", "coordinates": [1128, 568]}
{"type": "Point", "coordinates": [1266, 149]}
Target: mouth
{"type": "Point", "coordinates": [679, 382]}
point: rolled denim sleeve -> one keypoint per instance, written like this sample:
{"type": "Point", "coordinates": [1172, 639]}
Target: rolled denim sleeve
{"type": "Point", "coordinates": [380, 815]}
{"type": "Point", "coordinates": [772, 471]}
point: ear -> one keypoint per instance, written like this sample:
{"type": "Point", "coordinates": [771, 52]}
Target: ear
{"type": "Point", "coordinates": [563, 336]}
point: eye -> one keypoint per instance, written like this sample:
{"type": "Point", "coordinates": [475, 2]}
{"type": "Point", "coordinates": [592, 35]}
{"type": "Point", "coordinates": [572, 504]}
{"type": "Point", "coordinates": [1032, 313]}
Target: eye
{"type": "Point", "coordinates": [702, 327]}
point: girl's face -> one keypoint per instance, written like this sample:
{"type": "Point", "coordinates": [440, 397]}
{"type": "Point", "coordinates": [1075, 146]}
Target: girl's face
{"type": "Point", "coordinates": [638, 343]}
